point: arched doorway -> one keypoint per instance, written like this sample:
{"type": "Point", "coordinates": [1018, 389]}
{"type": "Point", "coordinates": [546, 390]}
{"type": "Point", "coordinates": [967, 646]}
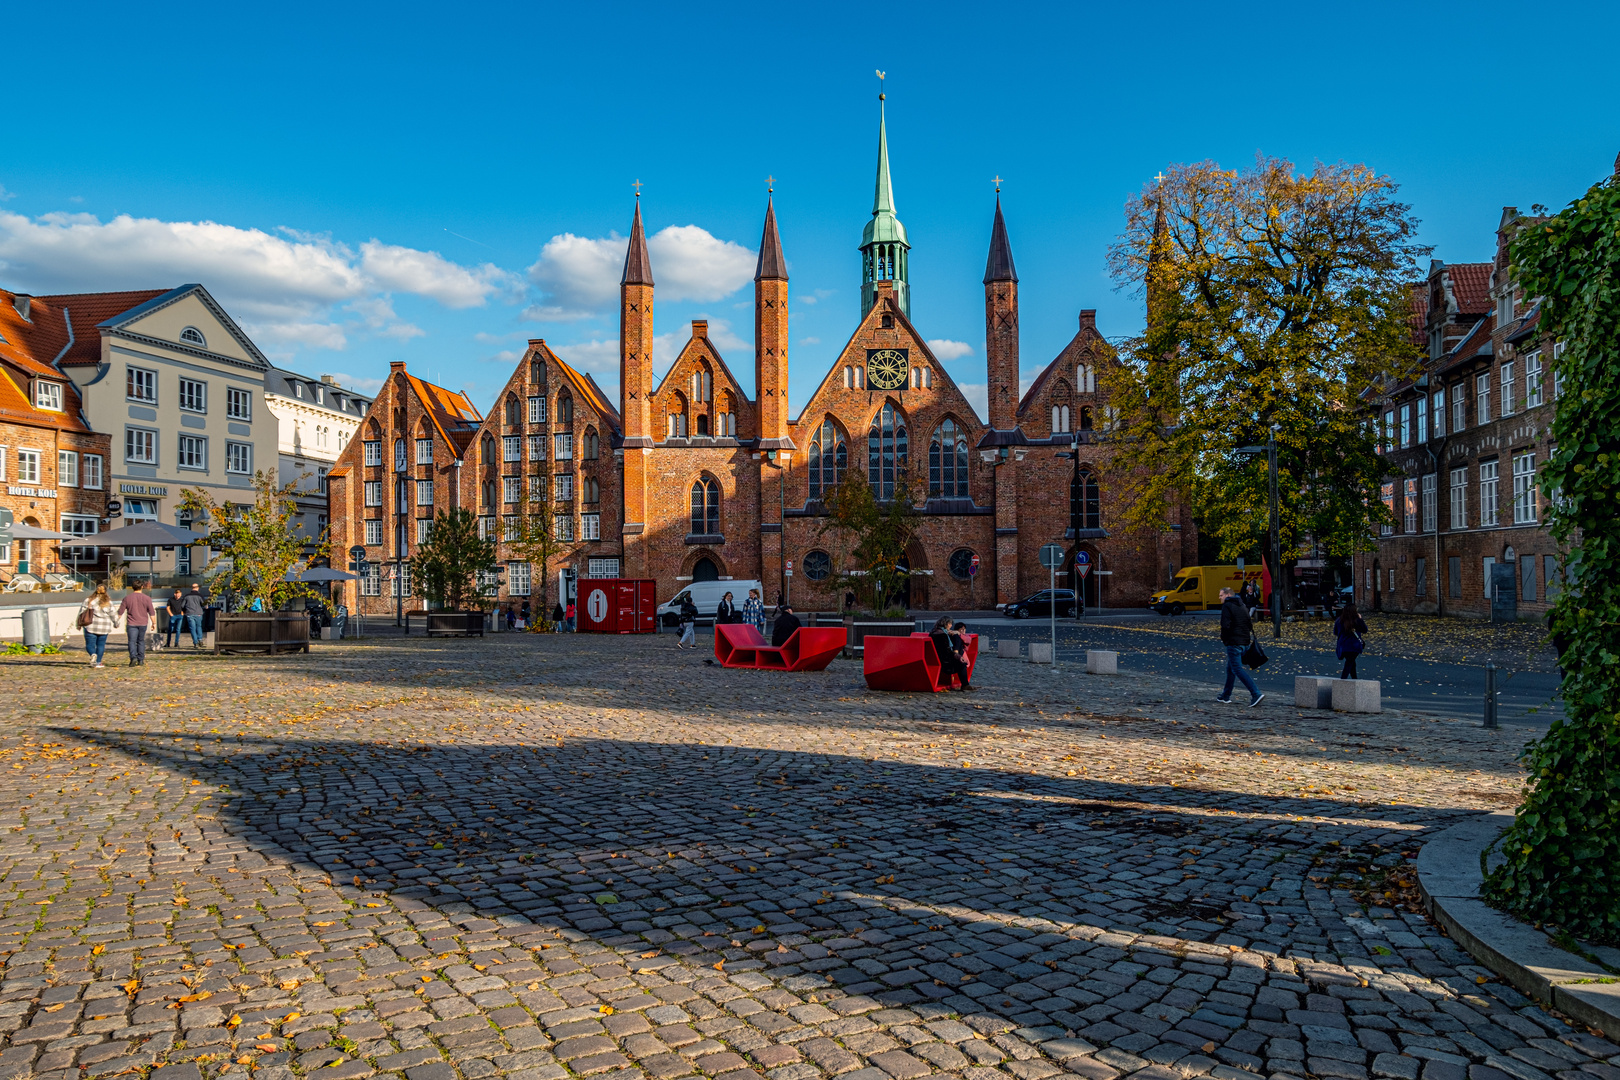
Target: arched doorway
{"type": "Point", "coordinates": [705, 570]}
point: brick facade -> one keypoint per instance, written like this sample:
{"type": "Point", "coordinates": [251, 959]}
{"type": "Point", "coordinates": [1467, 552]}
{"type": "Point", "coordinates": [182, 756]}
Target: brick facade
{"type": "Point", "coordinates": [1464, 443]}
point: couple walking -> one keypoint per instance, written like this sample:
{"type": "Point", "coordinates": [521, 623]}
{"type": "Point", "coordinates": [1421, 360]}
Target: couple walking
{"type": "Point", "coordinates": [1237, 636]}
{"type": "Point", "coordinates": [99, 619]}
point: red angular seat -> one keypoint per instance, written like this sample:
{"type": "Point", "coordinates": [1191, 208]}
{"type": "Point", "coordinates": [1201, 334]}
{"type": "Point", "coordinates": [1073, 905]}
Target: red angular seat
{"type": "Point", "coordinates": [910, 663]}
{"type": "Point", "coordinates": [809, 648]}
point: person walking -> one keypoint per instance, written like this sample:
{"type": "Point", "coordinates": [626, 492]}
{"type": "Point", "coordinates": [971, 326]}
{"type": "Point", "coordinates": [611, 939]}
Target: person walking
{"type": "Point", "coordinates": [192, 608]}
{"type": "Point", "coordinates": [557, 618]}
{"type": "Point", "coordinates": [786, 624]}
{"type": "Point", "coordinates": [176, 606]}
{"type": "Point", "coordinates": [951, 650]}
{"type": "Point", "coordinates": [137, 613]}
{"type": "Point", "coordinates": [98, 619]}
{"type": "Point", "coordinates": [727, 611]}
{"type": "Point", "coordinates": [568, 618]}
{"type": "Point", "coordinates": [1237, 634]}
{"type": "Point", "coordinates": [688, 618]}
{"type": "Point", "coordinates": [1348, 628]}
{"type": "Point", "coordinates": [753, 611]}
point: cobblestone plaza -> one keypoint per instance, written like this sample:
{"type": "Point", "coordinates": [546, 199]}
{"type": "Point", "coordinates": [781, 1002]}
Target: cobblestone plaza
{"type": "Point", "coordinates": [548, 856]}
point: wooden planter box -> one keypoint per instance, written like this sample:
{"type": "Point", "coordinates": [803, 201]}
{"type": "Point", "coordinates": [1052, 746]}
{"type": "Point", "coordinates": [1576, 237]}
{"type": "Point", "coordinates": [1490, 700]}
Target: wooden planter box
{"type": "Point", "coordinates": [268, 632]}
{"type": "Point", "coordinates": [455, 623]}
{"type": "Point", "coordinates": [865, 626]}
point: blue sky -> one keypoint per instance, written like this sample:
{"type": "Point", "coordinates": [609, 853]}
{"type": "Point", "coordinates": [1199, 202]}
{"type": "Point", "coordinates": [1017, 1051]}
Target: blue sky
{"type": "Point", "coordinates": [361, 184]}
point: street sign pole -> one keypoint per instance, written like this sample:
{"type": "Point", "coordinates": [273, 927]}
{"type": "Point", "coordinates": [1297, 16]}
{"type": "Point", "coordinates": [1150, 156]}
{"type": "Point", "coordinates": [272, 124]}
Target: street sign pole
{"type": "Point", "coordinates": [1052, 558]}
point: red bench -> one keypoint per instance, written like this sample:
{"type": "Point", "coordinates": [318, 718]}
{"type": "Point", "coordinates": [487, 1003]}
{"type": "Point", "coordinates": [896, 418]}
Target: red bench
{"type": "Point", "coordinates": [810, 648]}
{"type": "Point", "coordinates": [910, 663]}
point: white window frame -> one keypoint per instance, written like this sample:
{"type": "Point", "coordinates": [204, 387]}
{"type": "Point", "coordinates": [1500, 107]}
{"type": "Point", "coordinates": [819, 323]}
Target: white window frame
{"type": "Point", "coordinates": [1459, 408]}
{"type": "Point", "coordinates": [140, 435]}
{"type": "Point", "coordinates": [1439, 409]}
{"type": "Point", "coordinates": [199, 443]}
{"type": "Point", "coordinates": [373, 493]}
{"type": "Point", "coordinates": [424, 451]}
{"type": "Point", "coordinates": [537, 447]}
{"type": "Point", "coordinates": [1386, 495]}
{"type": "Point", "coordinates": [30, 467]}
{"type": "Point", "coordinates": [193, 395]}
{"type": "Point", "coordinates": [1558, 370]}
{"type": "Point", "coordinates": [238, 403]}
{"type": "Point", "coordinates": [590, 526]}
{"type": "Point", "coordinates": [564, 445]}
{"type": "Point", "coordinates": [537, 410]}
{"type": "Point", "coordinates": [47, 395]}
{"type": "Point", "coordinates": [1482, 398]}
{"type": "Point", "coordinates": [1459, 498]}
{"type": "Point", "coordinates": [1406, 425]}
{"type": "Point", "coordinates": [1490, 509]}
{"type": "Point", "coordinates": [371, 580]}
{"type": "Point", "coordinates": [511, 489]}
{"type": "Point", "coordinates": [602, 568]}
{"type": "Point", "coordinates": [239, 458]}
{"type": "Point", "coordinates": [1533, 393]}
{"type": "Point", "coordinates": [1509, 405]}
{"type": "Point", "coordinates": [373, 451]}
{"type": "Point", "coordinates": [1525, 505]}
{"type": "Point", "coordinates": [510, 525]}
{"type": "Point", "coordinates": [90, 472]}
{"type": "Point", "coordinates": [1409, 505]}
{"type": "Point", "coordinates": [511, 448]}
{"type": "Point", "coordinates": [374, 533]}
{"type": "Point", "coordinates": [424, 530]}
{"type": "Point", "coordinates": [519, 579]}
{"type": "Point", "coordinates": [140, 384]}
{"type": "Point", "coordinates": [424, 493]}
{"type": "Point", "coordinates": [563, 487]}
{"type": "Point", "coordinates": [67, 468]}
{"type": "Point", "coordinates": [562, 528]}
{"type": "Point", "coordinates": [1428, 496]}
{"type": "Point", "coordinates": [537, 488]}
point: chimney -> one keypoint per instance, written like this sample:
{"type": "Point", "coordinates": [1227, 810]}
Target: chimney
{"type": "Point", "coordinates": [331, 381]}
{"type": "Point", "coordinates": [22, 302]}
{"type": "Point", "coordinates": [700, 328]}
{"type": "Point", "coordinates": [1088, 319]}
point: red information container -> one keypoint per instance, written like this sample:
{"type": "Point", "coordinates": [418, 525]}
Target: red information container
{"type": "Point", "coordinates": [617, 606]}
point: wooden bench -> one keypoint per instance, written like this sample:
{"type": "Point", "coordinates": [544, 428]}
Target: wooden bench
{"type": "Point", "coordinates": [910, 663]}
{"type": "Point", "coordinates": [810, 648]}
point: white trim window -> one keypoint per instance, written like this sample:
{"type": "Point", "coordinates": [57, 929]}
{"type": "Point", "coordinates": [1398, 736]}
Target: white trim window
{"type": "Point", "coordinates": [1406, 425]}
{"type": "Point", "coordinates": [537, 489]}
{"type": "Point", "coordinates": [81, 525]}
{"type": "Point", "coordinates": [1439, 402]}
{"type": "Point", "coordinates": [562, 528]}
{"type": "Point", "coordinates": [2, 463]}
{"type": "Point", "coordinates": [590, 526]}
{"type": "Point", "coordinates": [519, 577]}
{"type": "Point", "coordinates": [140, 446]}
{"type": "Point", "coordinates": [91, 477]}
{"type": "Point", "coordinates": [239, 458]}
{"type": "Point", "coordinates": [67, 468]}
{"type": "Point", "coordinates": [1525, 508]}
{"type": "Point", "coordinates": [399, 580]}
{"type": "Point", "coordinates": [1388, 440]}
{"type": "Point", "coordinates": [193, 395]}
{"type": "Point", "coordinates": [537, 446]}
{"type": "Point", "coordinates": [374, 495]}
{"type": "Point", "coordinates": [47, 395]}
{"type": "Point", "coordinates": [1558, 370]}
{"type": "Point", "coordinates": [1409, 519]}
{"type": "Point", "coordinates": [1508, 404]}
{"type": "Point", "coordinates": [486, 528]}
{"type": "Point", "coordinates": [511, 489]}
{"type": "Point", "coordinates": [511, 448]}
{"type": "Point", "coordinates": [1459, 498]}
{"type": "Point", "coordinates": [563, 487]}
{"type": "Point", "coordinates": [510, 525]}
{"type": "Point", "coordinates": [191, 452]}
{"type": "Point", "coordinates": [373, 533]}
{"type": "Point", "coordinates": [371, 580]}
{"type": "Point", "coordinates": [424, 493]}
{"type": "Point", "coordinates": [1482, 398]}
{"type": "Point", "coordinates": [424, 451]}
{"type": "Point", "coordinates": [1459, 407]}
{"type": "Point", "coordinates": [602, 568]}
{"type": "Point", "coordinates": [140, 384]}
{"type": "Point", "coordinates": [424, 530]}
{"type": "Point", "coordinates": [1386, 495]}
{"type": "Point", "coordinates": [193, 336]}
{"type": "Point", "coordinates": [1532, 380]}
{"type": "Point", "coordinates": [565, 445]}
{"type": "Point", "coordinates": [28, 470]}
{"type": "Point", "coordinates": [1428, 500]}
{"type": "Point", "coordinates": [1489, 508]}
{"type": "Point", "coordinates": [537, 411]}
{"type": "Point", "coordinates": [373, 451]}
{"type": "Point", "coordinates": [238, 403]}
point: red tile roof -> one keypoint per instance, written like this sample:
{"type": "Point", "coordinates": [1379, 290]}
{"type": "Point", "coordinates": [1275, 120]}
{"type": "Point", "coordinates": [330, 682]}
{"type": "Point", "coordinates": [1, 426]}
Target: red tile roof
{"type": "Point", "coordinates": [28, 348]}
{"type": "Point", "coordinates": [454, 415]}
{"type": "Point", "coordinates": [1418, 293]}
{"type": "Point", "coordinates": [1471, 287]}
{"type": "Point", "coordinates": [89, 310]}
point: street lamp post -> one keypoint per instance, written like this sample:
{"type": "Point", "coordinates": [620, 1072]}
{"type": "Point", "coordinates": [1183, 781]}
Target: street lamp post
{"type": "Point", "coordinates": [1274, 526]}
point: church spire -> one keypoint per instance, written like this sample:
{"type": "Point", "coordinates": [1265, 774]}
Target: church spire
{"type": "Point", "coordinates": [999, 266]}
{"type": "Point", "coordinates": [885, 252]}
{"type": "Point", "coordinates": [637, 266]}
{"type": "Point", "coordinates": [772, 265]}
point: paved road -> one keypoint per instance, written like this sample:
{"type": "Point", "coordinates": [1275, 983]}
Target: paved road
{"type": "Point", "coordinates": [1154, 645]}
{"type": "Point", "coordinates": [548, 857]}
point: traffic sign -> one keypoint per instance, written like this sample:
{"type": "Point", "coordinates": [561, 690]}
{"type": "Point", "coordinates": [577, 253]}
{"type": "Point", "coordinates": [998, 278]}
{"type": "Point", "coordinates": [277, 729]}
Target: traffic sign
{"type": "Point", "coordinates": [1082, 563]}
{"type": "Point", "coordinates": [357, 553]}
{"type": "Point", "coordinates": [973, 567]}
{"type": "Point", "coordinates": [1051, 556]}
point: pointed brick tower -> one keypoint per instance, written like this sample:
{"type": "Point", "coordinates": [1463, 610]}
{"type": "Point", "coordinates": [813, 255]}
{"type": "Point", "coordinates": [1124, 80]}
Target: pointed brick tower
{"type": "Point", "coordinates": [771, 337]}
{"type": "Point", "coordinates": [1001, 326]}
{"type": "Point", "coordinates": [635, 390]}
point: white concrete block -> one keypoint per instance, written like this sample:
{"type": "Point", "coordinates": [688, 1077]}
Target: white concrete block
{"type": "Point", "coordinates": [1007, 648]}
{"type": "Point", "coordinates": [1314, 691]}
{"type": "Point", "coordinates": [326, 633]}
{"type": "Point", "coordinates": [1040, 652]}
{"type": "Point", "coordinates": [1357, 695]}
{"type": "Point", "coordinates": [1102, 662]}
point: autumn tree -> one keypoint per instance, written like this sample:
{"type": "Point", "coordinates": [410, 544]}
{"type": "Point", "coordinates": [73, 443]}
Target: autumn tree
{"type": "Point", "coordinates": [876, 532]}
{"type": "Point", "coordinates": [1276, 299]}
{"type": "Point", "coordinates": [446, 568]}
{"type": "Point", "coordinates": [537, 544]}
{"type": "Point", "coordinates": [1562, 853]}
{"type": "Point", "coordinates": [255, 543]}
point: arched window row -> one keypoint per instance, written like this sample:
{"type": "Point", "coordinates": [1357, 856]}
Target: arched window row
{"type": "Point", "coordinates": [922, 378]}
{"type": "Point", "coordinates": [828, 458]}
{"type": "Point", "coordinates": [886, 449]}
{"type": "Point", "coordinates": [948, 461]}
{"type": "Point", "coordinates": [1085, 500]}
{"type": "Point", "coordinates": [1085, 379]}
{"type": "Point", "coordinates": [706, 506]}
{"type": "Point", "coordinates": [677, 415]}
{"type": "Point", "coordinates": [854, 377]}
{"type": "Point", "coordinates": [701, 385]}
{"type": "Point", "coordinates": [1060, 419]}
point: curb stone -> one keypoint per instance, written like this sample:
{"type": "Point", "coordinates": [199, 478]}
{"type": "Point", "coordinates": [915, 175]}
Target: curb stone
{"type": "Point", "coordinates": [1449, 878]}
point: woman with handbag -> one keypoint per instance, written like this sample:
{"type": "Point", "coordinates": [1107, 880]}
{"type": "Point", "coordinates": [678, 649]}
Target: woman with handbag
{"type": "Point", "coordinates": [97, 618]}
{"type": "Point", "coordinates": [1348, 628]}
{"type": "Point", "coordinates": [1237, 637]}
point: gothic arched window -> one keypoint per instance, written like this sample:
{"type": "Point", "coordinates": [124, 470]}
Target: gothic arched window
{"type": "Point", "coordinates": [677, 415]}
{"type": "Point", "coordinates": [1087, 500]}
{"type": "Point", "coordinates": [829, 457]}
{"type": "Point", "coordinates": [514, 414]}
{"type": "Point", "coordinates": [565, 410]}
{"type": "Point", "coordinates": [948, 461]}
{"type": "Point", "coordinates": [726, 425]}
{"type": "Point", "coordinates": [593, 444]}
{"type": "Point", "coordinates": [1060, 419]}
{"type": "Point", "coordinates": [706, 507]}
{"type": "Point", "coordinates": [1085, 379]}
{"type": "Point", "coordinates": [886, 450]}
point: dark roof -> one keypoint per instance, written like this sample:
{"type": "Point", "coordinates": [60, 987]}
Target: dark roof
{"type": "Point", "coordinates": [999, 266]}
{"type": "Point", "coordinates": [1418, 294]}
{"type": "Point", "coordinates": [286, 383]}
{"type": "Point", "coordinates": [1471, 287]}
{"type": "Point", "coordinates": [637, 267]}
{"type": "Point", "coordinates": [772, 266]}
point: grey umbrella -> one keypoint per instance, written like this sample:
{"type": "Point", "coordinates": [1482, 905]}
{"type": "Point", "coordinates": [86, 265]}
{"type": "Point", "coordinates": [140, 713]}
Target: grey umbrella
{"type": "Point", "coordinates": [322, 573]}
{"type": "Point", "coordinates": [152, 534]}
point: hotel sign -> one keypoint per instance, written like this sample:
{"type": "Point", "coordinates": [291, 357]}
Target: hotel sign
{"type": "Point", "coordinates": [142, 489]}
{"type": "Point", "coordinates": [31, 492]}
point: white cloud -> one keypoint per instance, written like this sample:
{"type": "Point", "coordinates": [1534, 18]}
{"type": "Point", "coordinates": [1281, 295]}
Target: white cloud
{"type": "Point", "coordinates": [601, 355]}
{"type": "Point", "coordinates": [4, 194]}
{"type": "Point", "coordinates": [495, 339]}
{"type": "Point", "coordinates": [947, 350]}
{"type": "Point", "coordinates": [357, 382]}
{"type": "Point", "coordinates": [377, 312]}
{"type": "Point", "coordinates": [427, 273]}
{"type": "Point", "coordinates": [580, 275]}
{"type": "Point", "coordinates": [312, 335]}
{"type": "Point", "coordinates": [978, 396]}
{"type": "Point", "coordinates": [809, 341]}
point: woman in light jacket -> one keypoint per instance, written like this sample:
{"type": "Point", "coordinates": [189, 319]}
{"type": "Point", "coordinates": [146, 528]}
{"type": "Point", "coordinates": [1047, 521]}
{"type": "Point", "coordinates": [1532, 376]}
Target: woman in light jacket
{"type": "Point", "coordinates": [103, 621]}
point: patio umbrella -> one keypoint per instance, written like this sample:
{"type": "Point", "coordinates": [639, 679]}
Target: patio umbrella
{"type": "Point", "coordinates": [322, 573]}
{"type": "Point", "coordinates": [34, 532]}
{"type": "Point", "coordinates": [152, 534]}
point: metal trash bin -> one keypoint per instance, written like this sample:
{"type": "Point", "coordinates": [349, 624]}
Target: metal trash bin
{"type": "Point", "coordinates": [36, 627]}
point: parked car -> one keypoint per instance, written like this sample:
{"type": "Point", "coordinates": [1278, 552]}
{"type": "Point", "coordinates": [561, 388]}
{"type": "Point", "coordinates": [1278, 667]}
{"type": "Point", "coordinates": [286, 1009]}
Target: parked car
{"type": "Point", "coordinates": [1041, 603]}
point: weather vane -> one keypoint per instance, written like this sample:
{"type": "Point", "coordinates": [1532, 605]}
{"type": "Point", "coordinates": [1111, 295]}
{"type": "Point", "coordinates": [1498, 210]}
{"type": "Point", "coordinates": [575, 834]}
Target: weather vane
{"type": "Point", "coordinates": [880, 86]}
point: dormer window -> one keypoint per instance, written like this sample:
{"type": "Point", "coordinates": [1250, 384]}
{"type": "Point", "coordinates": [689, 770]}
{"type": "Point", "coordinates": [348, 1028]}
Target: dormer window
{"type": "Point", "coordinates": [48, 395]}
{"type": "Point", "coordinates": [298, 389]}
{"type": "Point", "coordinates": [193, 336]}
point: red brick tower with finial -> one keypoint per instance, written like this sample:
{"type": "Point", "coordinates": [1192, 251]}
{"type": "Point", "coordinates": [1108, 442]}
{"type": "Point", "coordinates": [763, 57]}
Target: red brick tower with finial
{"type": "Point", "coordinates": [1001, 325]}
{"type": "Point", "coordinates": [635, 390]}
{"type": "Point", "coordinates": [771, 393]}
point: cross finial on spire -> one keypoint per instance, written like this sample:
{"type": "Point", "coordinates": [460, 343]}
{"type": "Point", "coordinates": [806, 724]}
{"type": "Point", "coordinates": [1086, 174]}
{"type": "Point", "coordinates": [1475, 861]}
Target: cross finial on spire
{"type": "Point", "coordinates": [1159, 178]}
{"type": "Point", "coordinates": [997, 181]}
{"type": "Point", "coordinates": [637, 185]}
{"type": "Point", "coordinates": [770, 185]}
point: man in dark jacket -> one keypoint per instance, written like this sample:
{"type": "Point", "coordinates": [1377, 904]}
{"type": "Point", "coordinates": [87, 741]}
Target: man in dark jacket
{"type": "Point", "coordinates": [786, 623]}
{"type": "Point", "coordinates": [1237, 632]}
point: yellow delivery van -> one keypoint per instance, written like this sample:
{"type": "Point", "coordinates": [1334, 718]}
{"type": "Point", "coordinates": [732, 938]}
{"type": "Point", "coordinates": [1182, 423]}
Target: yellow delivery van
{"type": "Point", "coordinates": [1198, 588]}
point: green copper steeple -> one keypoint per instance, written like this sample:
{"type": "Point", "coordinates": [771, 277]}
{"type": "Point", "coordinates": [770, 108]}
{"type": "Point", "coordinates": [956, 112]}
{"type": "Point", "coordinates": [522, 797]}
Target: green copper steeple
{"type": "Point", "coordinates": [885, 253]}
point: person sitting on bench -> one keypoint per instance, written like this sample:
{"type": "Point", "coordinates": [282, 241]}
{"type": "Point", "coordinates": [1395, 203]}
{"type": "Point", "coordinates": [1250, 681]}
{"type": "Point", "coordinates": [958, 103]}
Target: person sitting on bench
{"type": "Point", "coordinates": [950, 661]}
{"type": "Point", "coordinates": [786, 623]}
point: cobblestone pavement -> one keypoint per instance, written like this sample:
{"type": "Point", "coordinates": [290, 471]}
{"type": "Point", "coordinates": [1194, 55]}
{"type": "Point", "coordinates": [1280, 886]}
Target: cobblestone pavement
{"type": "Point", "coordinates": [549, 856]}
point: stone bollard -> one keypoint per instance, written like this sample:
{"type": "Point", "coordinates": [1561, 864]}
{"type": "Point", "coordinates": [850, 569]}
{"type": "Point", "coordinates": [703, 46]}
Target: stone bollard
{"type": "Point", "coordinates": [1357, 695]}
{"type": "Point", "coordinates": [1007, 648]}
{"type": "Point", "coordinates": [1314, 691]}
{"type": "Point", "coordinates": [1102, 662]}
{"type": "Point", "coordinates": [1040, 652]}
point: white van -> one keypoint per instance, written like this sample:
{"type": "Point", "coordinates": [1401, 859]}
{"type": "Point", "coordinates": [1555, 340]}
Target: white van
{"type": "Point", "coordinates": [706, 595]}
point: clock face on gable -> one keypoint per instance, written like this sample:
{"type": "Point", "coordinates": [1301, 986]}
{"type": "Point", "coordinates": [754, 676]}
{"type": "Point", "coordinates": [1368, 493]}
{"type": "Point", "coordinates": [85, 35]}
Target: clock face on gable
{"type": "Point", "coordinates": [886, 368]}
